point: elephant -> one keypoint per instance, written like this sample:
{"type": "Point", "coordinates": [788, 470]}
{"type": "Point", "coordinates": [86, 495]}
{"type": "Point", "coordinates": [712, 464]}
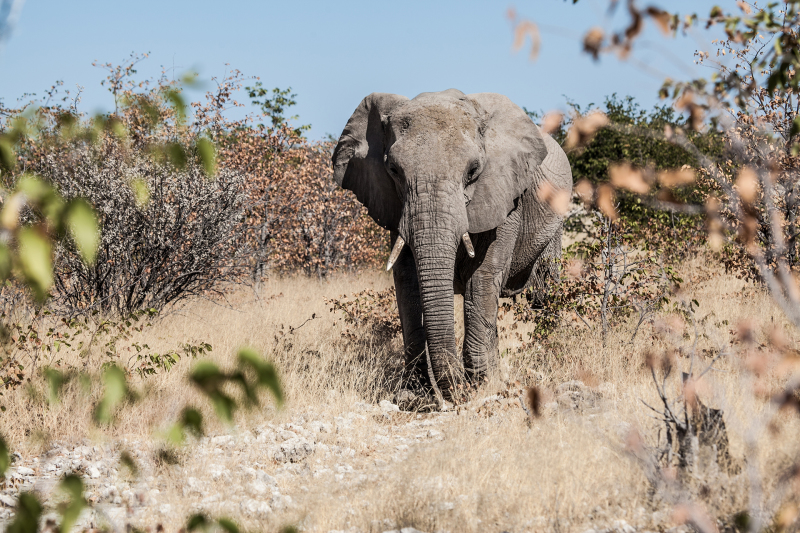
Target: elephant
{"type": "Point", "coordinates": [457, 180]}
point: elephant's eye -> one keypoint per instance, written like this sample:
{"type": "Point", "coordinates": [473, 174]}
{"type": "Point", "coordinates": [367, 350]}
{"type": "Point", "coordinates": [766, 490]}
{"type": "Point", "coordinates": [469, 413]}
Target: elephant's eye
{"type": "Point", "coordinates": [472, 172]}
{"type": "Point", "coordinates": [393, 170]}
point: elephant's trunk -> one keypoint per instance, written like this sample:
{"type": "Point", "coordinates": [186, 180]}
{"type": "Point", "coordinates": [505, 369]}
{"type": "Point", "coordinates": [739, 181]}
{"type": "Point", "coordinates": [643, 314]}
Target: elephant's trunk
{"type": "Point", "coordinates": [437, 234]}
{"type": "Point", "coordinates": [435, 262]}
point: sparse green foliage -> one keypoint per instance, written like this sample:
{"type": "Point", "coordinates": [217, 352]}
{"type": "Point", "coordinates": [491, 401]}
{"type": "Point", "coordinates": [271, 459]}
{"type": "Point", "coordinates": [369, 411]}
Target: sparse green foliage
{"type": "Point", "coordinates": [604, 280]}
{"type": "Point", "coordinates": [369, 311]}
{"type": "Point", "coordinates": [275, 106]}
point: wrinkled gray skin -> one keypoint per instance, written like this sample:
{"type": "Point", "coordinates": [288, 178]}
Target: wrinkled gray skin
{"type": "Point", "coordinates": [432, 168]}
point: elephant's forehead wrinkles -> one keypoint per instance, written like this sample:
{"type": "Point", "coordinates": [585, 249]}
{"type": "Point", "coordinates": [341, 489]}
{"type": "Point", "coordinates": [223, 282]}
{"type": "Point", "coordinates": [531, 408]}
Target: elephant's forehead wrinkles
{"type": "Point", "coordinates": [444, 120]}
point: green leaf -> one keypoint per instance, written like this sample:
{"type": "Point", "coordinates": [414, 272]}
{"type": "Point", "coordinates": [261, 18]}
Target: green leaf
{"type": "Point", "coordinates": [228, 525]}
{"type": "Point", "coordinates": [73, 486]}
{"type": "Point", "coordinates": [126, 460]}
{"type": "Point", "coordinates": [27, 514]}
{"type": "Point", "coordinates": [5, 457]}
{"type": "Point", "coordinates": [192, 420]}
{"type": "Point", "coordinates": [55, 380]}
{"type": "Point", "coordinates": [5, 262]}
{"type": "Point", "coordinates": [207, 376]}
{"type": "Point", "coordinates": [265, 371]}
{"type": "Point", "coordinates": [8, 159]}
{"type": "Point", "coordinates": [141, 192]}
{"type": "Point", "coordinates": [116, 388]}
{"type": "Point", "coordinates": [176, 155]}
{"type": "Point", "coordinates": [198, 521]}
{"type": "Point", "coordinates": [36, 261]}
{"type": "Point", "coordinates": [208, 156]}
{"type": "Point", "coordinates": [34, 188]}
{"type": "Point", "coordinates": [795, 127]}
{"type": "Point", "coordinates": [175, 98]}
{"type": "Point", "coordinates": [82, 223]}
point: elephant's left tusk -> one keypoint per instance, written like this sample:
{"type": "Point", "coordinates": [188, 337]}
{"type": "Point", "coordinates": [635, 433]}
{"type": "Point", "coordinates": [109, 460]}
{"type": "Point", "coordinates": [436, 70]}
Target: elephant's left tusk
{"type": "Point", "coordinates": [468, 245]}
{"type": "Point", "coordinates": [398, 247]}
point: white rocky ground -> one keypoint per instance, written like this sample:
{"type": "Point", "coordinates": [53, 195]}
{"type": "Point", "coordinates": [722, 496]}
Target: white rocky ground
{"type": "Point", "coordinates": [253, 475]}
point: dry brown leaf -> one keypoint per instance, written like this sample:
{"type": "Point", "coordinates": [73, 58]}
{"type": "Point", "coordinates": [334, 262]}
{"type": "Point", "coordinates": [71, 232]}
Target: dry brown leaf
{"type": "Point", "coordinates": [593, 41]}
{"type": "Point", "coordinates": [585, 191]}
{"type": "Point", "coordinates": [744, 7]}
{"type": "Point", "coordinates": [661, 18]}
{"type": "Point", "coordinates": [583, 128]}
{"type": "Point", "coordinates": [527, 28]}
{"type": "Point", "coordinates": [9, 218]}
{"type": "Point", "coordinates": [695, 515]}
{"type": "Point", "coordinates": [552, 121]}
{"type": "Point", "coordinates": [690, 392]}
{"type": "Point", "coordinates": [685, 100]}
{"type": "Point", "coordinates": [633, 441]}
{"type": "Point", "coordinates": [747, 184]}
{"type": "Point", "coordinates": [574, 269]}
{"type": "Point", "coordinates": [605, 201]}
{"type": "Point", "coordinates": [533, 399]}
{"type": "Point", "coordinates": [666, 196]}
{"type": "Point", "coordinates": [625, 176]}
{"type": "Point", "coordinates": [787, 516]}
{"type": "Point", "coordinates": [557, 199]}
{"type": "Point", "coordinates": [678, 177]}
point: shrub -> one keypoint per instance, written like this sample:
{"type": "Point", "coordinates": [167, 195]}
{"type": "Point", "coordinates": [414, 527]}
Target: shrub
{"type": "Point", "coordinates": [166, 234]}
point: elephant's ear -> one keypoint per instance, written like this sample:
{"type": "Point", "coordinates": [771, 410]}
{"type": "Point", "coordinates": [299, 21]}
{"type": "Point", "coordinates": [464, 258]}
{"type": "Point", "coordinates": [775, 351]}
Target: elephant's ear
{"type": "Point", "coordinates": [514, 150]}
{"type": "Point", "coordinates": [358, 159]}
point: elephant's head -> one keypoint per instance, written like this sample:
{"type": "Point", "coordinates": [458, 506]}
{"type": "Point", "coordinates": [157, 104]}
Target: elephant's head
{"type": "Point", "coordinates": [435, 169]}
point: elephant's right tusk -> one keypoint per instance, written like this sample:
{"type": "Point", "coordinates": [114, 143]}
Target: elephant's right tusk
{"type": "Point", "coordinates": [468, 245]}
{"type": "Point", "coordinates": [398, 247]}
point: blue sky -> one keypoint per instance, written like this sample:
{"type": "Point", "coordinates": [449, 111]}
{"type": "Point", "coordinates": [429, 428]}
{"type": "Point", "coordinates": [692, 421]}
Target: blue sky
{"type": "Point", "coordinates": [333, 54]}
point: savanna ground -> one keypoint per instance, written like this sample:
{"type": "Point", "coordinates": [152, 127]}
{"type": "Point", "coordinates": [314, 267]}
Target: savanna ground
{"type": "Point", "coordinates": [484, 466]}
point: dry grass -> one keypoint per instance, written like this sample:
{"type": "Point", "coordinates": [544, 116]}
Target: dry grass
{"type": "Point", "coordinates": [489, 471]}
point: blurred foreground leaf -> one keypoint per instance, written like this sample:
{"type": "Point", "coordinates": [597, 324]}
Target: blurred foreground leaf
{"type": "Point", "coordinates": [208, 156]}
{"type": "Point", "coordinates": [83, 226]}
{"type": "Point", "coordinates": [116, 388]}
{"type": "Point", "coordinates": [35, 257]}
{"type": "Point", "coordinates": [73, 487]}
{"type": "Point", "coordinates": [27, 514]}
{"type": "Point", "coordinates": [265, 372]}
{"type": "Point", "coordinates": [5, 457]}
{"type": "Point", "coordinates": [141, 191]}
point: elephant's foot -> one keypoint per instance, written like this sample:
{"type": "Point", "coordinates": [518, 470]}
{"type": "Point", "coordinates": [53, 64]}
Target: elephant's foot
{"type": "Point", "coordinates": [416, 401]}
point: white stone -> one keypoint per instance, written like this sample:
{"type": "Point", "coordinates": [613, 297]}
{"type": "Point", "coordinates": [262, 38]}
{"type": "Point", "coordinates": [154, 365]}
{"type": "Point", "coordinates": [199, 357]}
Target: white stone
{"type": "Point", "coordinates": [94, 472]}
{"type": "Point", "coordinates": [388, 407]}
{"type": "Point", "coordinates": [258, 487]}
{"type": "Point", "coordinates": [255, 508]}
{"type": "Point", "coordinates": [8, 501]}
{"type": "Point", "coordinates": [320, 427]}
{"type": "Point", "coordinates": [286, 435]}
{"type": "Point", "coordinates": [25, 471]}
{"type": "Point", "coordinates": [280, 502]}
{"type": "Point", "coordinates": [294, 450]}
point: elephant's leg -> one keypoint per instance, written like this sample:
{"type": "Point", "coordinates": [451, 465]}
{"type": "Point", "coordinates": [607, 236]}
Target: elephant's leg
{"type": "Point", "coordinates": [409, 305]}
{"type": "Point", "coordinates": [545, 270]}
{"type": "Point", "coordinates": [481, 297]}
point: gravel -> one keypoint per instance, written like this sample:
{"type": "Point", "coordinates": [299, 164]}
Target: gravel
{"type": "Point", "coordinates": [251, 473]}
